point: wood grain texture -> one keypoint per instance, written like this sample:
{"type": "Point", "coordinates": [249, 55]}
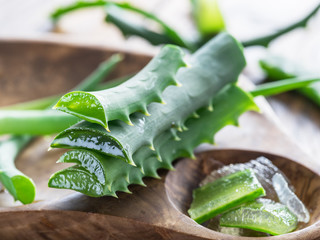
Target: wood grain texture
{"type": "Point", "coordinates": [155, 212]}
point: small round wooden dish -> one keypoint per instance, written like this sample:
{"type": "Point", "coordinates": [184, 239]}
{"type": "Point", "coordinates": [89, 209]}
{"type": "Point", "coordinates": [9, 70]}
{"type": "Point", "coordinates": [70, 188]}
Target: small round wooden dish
{"type": "Point", "coordinates": [188, 174]}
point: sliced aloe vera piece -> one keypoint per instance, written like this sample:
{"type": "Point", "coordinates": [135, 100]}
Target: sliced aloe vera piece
{"type": "Point", "coordinates": [131, 96]}
{"type": "Point", "coordinates": [262, 215]}
{"type": "Point", "coordinates": [223, 194]}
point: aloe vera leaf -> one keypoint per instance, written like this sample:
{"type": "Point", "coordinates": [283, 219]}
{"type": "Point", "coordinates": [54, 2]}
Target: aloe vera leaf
{"type": "Point", "coordinates": [45, 122]}
{"type": "Point", "coordinates": [155, 38]}
{"type": "Point", "coordinates": [278, 68]}
{"type": "Point", "coordinates": [211, 67]}
{"type": "Point", "coordinates": [20, 186]}
{"type": "Point", "coordinates": [277, 87]}
{"type": "Point", "coordinates": [59, 12]}
{"type": "Point", "coordinates": [41, 122]}
{"type": "Point", "coordinates": [114, 15]}
{"type": "Point", "coordinates": [265, 40]}
{"type": "Point", "coordinates": [263, 215]}
{"type": "Point", "coordinates": [34, 122]}
{"type": "Point", "coordinates": [131, 96]}
{"type": "Point", "coordinates": [208, 17]}
{"type": "Point", "coordinates": [223, 194]}
{"type": "Point", "coordinates": [229, 104]}
{"type": "Point", "coordinates": [116, 11]}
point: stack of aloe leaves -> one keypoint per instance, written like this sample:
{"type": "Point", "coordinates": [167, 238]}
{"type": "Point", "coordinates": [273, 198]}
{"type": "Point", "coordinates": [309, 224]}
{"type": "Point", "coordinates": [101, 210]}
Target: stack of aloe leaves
{"type": "Point", "coordinates": [159, 115]}
{"type": "Point", "coordinates": [165, 122]}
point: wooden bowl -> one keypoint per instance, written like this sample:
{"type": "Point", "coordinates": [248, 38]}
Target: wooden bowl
{"type": "Point", "coordinates": [189, 173]}
{"type": "Point", "coordinates": [33, 69]}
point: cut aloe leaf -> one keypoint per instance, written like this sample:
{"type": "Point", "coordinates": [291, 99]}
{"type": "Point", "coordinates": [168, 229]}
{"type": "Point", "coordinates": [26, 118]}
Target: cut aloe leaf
{"type": "Point", "coordinates": [131, 96]}
{"type": "Point", "coordinates": [116, 175]}
{"type": "Point", "coordinates": [212, 69]}
{"type": "Point", "coordinates": [263, 215]}
{"type": "Point", "coordinates": [278, 68]}
{"type": "Point", "coordinates": [208, 17]}
{"type": "Point", "coordinates": [18, 185]}
{"type": "Point", "coordinates": [223, 194]}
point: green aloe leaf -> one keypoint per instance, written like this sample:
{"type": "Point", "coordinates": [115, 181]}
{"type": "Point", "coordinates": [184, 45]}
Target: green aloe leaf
{"type": "Point", "coordinates": [19, 185]}
{"type": "Point", "coordinates": [265, 40]}
{"type": "Point", "coordinates": [112, 175]}
{"type": "Point", "coordinates": [208, 17]}
{"type": "Point", "coordinates": [116, 14]}
{"type": "Point", "coordinates": [278, 68]}
{"type": "Point", "coordinates": [131, 96]}
{"type": "Point", "coordinates": [41, 122]}
{"type": "Point", "coordinates": [212, 69]}
{"type": "Point", "coordinates": [61, 11]}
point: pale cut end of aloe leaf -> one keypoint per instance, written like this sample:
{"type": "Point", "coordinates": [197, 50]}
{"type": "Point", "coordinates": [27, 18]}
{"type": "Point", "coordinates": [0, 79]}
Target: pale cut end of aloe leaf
{"type": "Point", "coordinates": [83, 105]}
{"type": "Point", "coordinates": [25, 188]}
{"type": "Point", "coordinates": [20, 187]}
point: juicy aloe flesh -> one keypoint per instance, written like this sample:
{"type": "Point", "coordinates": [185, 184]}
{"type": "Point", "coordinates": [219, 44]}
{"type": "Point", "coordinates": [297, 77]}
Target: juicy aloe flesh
{"type": "Point", "coordinates": [116, 175]}
{"type": "Point", "coordinates": [214, 66]}
{"type": "Point", "coordinates": [131, 96]}
{"type": "Point", "coordinates": [263, 215]}
{"type": "Point", "coordinates": [223, 194]}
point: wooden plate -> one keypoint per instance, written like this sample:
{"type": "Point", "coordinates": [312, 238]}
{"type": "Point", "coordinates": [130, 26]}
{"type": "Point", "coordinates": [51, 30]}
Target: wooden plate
{"type": "Point", "coordinates": [32, 69]}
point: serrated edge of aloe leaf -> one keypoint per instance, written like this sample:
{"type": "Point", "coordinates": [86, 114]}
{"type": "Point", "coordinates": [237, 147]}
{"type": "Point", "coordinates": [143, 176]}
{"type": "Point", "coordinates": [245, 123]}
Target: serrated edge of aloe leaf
{"type": "Point", "coordinates": [135, 94]}
{"type": "Point", "coordinates": [147, 159]}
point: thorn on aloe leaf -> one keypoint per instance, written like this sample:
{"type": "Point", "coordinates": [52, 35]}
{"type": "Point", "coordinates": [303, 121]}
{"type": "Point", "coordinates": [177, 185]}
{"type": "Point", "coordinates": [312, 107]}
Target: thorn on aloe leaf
{"type": "Point", "coordinates": [141, 170]}
{"type": "Point", "coordinates": [184, 128]}
{"type": "Point", "coordinates": [126, 190]}
{"type": "Point", "coordinates": [152, 147]}
{"type": "Point", "coordinates": [195, 115]}
{"type": "Point", "coordinates": [129, 123]}
{"type": "Point", "coordinates": [178, 84]}
{"type": "Point", "coordinates": [210, 107]}
{"type": "Point", "coordinates": [179, 127]}
{"type": "Point", "coordinates": [159, 158]}
{"type": "Point", "coordinates": [174, 134]}
{"type": "Point", "coordinates": [127, 178]}
{"type": "Point", "coordinates": [144, 111]}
